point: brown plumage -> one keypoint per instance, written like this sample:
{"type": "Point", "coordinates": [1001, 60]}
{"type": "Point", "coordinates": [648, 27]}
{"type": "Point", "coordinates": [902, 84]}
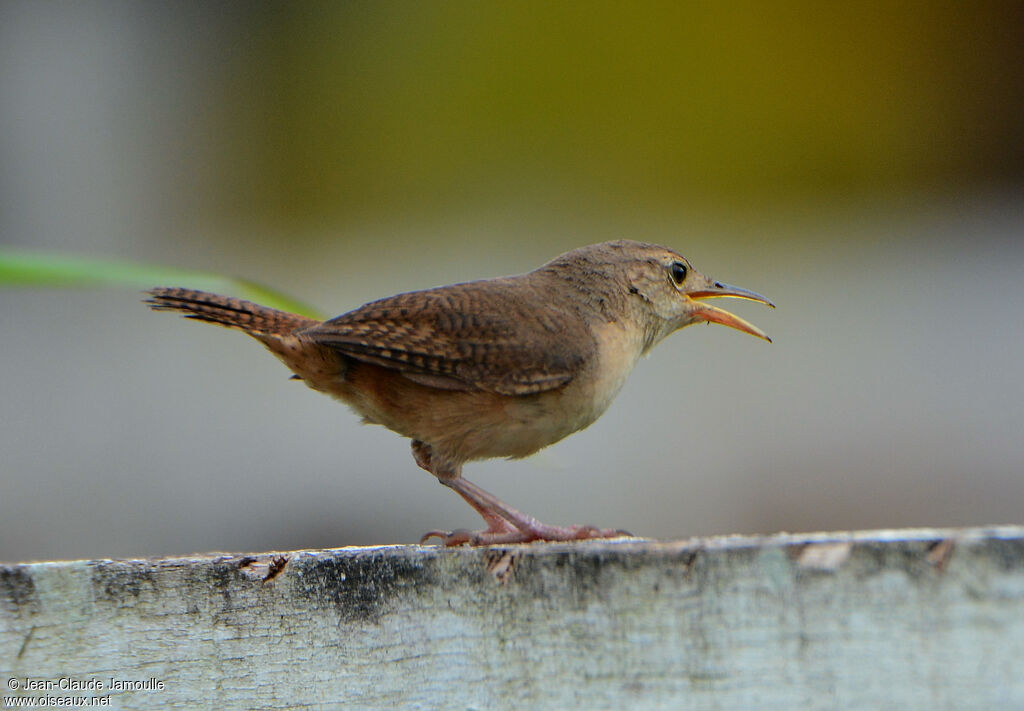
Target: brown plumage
{"type": "Point", "coordinates": [493, 368]}
{"type": "Point", "coordinates": [227, 311]}
{"type": "Point", "coordinates": [496, 338]}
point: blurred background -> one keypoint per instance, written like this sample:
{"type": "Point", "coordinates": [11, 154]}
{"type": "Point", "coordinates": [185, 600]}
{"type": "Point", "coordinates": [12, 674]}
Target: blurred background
{"type": "Point", "coordinates": [862, 164]}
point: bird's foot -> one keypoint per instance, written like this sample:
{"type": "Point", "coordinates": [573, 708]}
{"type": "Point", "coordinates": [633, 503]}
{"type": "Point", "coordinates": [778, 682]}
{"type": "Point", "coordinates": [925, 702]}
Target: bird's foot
{"type": "Point", "coordinates": [508, 525]}
{"type": "Point", "coordinates": [511, 534]}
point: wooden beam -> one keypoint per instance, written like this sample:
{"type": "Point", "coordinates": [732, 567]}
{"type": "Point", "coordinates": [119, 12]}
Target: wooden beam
{"type": "Point", "coordinates": [912, 619]}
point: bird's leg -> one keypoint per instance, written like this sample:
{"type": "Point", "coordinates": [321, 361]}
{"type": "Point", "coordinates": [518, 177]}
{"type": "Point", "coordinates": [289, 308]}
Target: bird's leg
{"type": "Point", "coordinates": [504, 523]}
{"type": "Point", "coordinates": [496, 525]}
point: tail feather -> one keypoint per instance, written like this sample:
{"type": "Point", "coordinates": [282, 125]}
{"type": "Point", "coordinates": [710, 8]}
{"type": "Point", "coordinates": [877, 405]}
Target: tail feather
{"type": "Point", "coordinates": [227, 311]}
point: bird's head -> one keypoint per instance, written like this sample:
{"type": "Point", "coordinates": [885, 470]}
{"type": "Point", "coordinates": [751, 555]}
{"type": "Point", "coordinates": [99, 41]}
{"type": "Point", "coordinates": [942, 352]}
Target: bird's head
{"type": "Point", "coordinates": [663, 286]}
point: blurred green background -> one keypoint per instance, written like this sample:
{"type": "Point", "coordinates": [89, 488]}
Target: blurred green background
{"type": "Point", "coordinates": [862, 164]}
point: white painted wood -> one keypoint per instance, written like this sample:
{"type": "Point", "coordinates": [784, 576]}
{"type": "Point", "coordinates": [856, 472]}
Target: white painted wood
{"type": "Point", "coordinates": [916, 619]}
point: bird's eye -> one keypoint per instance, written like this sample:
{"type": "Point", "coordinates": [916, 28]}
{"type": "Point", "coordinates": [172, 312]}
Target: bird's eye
{"type": "Point", "coordinates": [678, 271]}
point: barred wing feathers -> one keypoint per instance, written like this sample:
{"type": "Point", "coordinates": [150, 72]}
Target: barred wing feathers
{"type": "Point", "coordinates": [498, 338]}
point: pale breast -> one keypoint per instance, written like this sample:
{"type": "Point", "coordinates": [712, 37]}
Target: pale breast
{"type": "Point", "coordinates": [527, 424]}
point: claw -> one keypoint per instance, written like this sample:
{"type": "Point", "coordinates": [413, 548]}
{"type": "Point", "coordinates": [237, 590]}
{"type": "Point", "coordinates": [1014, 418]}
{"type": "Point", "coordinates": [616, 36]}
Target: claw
{"type": "Point", "coordinates": [451, 538]}
{"type": "Point", "coordinates": [433, 534]}
{"type": "Point", "coordinates": [448, 538]}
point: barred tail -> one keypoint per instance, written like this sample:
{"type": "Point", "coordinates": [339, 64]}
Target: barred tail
{"type": "Point", "coordinates": [226, 311]}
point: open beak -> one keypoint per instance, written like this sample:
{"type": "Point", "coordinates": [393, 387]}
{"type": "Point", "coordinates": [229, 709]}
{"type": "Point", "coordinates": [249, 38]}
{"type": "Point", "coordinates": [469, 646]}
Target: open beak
{"type": "Point", "coordinates": [708, 288]}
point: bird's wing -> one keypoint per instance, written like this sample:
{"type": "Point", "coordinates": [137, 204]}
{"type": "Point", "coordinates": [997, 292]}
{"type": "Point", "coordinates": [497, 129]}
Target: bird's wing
{"type": "Point", "coordinates": [465, 337]}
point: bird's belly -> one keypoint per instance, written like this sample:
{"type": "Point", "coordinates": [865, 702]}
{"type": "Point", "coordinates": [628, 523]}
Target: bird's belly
{"type": "Point", "coordinates": [522, 425]}
{"type": "Point", "coordinates": [471, 425]}
{"type": "Point", "coordinates": [465, 425]}
{"type": "Point", "coordinates": [537, 421]}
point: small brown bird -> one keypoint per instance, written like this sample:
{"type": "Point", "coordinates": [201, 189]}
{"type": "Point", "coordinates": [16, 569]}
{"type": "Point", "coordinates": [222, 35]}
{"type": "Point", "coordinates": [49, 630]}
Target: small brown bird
{"type": "Point", "coordinates": [492, 368]}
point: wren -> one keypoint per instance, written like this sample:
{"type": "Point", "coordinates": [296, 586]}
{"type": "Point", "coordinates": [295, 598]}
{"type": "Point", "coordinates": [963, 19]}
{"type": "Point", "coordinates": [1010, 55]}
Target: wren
{"type": "Point", "coordinates": [492, 368]}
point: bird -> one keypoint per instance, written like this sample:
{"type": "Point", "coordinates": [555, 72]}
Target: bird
{"type": "Point", "coordinates": [499, 367]}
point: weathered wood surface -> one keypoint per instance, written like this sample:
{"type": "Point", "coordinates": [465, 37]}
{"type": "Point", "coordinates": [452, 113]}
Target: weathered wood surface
{"type": "Point", "coordinates": [916, 619]}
